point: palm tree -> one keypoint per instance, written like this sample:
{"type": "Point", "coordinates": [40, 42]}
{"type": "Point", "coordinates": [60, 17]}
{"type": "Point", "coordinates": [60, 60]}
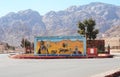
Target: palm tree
{"type": "Point", "coordinates": [25, 43]}
{"type": "Point", "coordinates": [87, 28]}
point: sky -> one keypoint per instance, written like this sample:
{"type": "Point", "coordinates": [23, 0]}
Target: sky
{"type": "Point", "coordinates": [44, 6]}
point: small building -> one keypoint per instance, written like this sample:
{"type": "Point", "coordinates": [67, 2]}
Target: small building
{"type": "Point", "coordinates": [3, 47]}
{"type": "Point", "coordinates": [113, 42]}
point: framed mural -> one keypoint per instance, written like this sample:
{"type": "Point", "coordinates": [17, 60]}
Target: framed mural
{"type": "Point", "coordinates": [60, 45]}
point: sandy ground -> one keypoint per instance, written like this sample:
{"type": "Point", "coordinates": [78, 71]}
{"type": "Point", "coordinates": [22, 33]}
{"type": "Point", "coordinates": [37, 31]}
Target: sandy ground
{"type": "Point", "coordinates": [57, 67]}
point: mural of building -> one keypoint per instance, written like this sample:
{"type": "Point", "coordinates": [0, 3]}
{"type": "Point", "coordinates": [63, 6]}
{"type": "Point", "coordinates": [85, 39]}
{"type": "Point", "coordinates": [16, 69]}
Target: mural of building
{"type": "Point", "coordinates": [60, 45]}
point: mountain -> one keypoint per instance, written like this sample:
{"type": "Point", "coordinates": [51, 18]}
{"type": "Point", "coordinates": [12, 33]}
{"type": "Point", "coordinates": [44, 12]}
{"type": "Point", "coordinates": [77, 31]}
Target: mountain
{"type": "Point", "coordinates": [24, 24]}
{"type": "Point", "coordinates": [113, 32]}
{"type": "Point", "coordinates": [29, 23]}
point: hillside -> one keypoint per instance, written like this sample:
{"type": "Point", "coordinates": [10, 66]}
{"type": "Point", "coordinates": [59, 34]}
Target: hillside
{"type": "Point", "coordinates": [113, 32]}
{"type": "Point", "coordinates": [29, 23]}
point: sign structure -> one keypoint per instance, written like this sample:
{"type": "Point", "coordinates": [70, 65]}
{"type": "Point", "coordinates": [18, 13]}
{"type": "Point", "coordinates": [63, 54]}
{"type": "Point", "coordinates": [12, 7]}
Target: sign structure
{"type": "Point", "coordinates": [60, 45]}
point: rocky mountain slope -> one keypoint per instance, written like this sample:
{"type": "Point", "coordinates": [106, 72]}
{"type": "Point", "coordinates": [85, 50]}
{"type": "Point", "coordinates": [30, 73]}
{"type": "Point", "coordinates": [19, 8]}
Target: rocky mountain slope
{"type": "Point", "coordinates": [113, 32]}
{"type": "Point", "coordinates": [29, 23]}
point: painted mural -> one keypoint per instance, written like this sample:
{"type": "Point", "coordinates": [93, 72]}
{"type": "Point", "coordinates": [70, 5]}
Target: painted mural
{"type": "Point", "coordinates": [59, 46]}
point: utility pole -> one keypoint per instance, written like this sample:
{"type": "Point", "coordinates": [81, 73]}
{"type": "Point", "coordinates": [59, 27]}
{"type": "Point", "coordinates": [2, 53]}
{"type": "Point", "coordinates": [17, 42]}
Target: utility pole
{"type": "Point", "coordinates": [86, 36]}
{"type": "Point", "coordinates": [119, 43]}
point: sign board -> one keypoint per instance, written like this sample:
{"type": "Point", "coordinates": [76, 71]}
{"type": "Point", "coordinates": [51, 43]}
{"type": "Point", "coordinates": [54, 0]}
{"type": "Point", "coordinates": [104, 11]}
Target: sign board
{"type": "Point", "coordinates": [92, 51]}
{"type": "Point", "coordinates": [60, 45]}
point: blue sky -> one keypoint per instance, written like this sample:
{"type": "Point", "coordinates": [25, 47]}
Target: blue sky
{"type": "Point", "coordinates": [44, 6]}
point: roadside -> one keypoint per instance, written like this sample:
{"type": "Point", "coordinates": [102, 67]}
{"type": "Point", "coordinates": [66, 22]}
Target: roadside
{"type": "Point", "coordinates": [108, 73]}
{"type": "Point", "coordinates": [111, 73]}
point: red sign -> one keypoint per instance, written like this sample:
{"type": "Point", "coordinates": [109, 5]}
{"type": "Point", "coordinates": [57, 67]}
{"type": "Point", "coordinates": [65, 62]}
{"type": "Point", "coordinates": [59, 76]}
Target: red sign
{"type": "Point", "coordinates": [92, 51]}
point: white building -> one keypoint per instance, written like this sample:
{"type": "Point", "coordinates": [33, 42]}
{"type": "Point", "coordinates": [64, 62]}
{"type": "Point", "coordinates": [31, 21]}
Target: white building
{"type": "Point", "coordinates": [113, 42]}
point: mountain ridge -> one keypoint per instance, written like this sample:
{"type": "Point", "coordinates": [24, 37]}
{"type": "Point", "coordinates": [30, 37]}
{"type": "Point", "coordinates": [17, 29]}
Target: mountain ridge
{"type": "Point", "coordinates": [29, 23]}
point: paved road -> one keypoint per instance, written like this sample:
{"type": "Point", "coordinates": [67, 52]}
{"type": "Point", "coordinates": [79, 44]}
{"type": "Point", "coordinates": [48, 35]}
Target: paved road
{"type": "Point", "coordinates": [55, 67]}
